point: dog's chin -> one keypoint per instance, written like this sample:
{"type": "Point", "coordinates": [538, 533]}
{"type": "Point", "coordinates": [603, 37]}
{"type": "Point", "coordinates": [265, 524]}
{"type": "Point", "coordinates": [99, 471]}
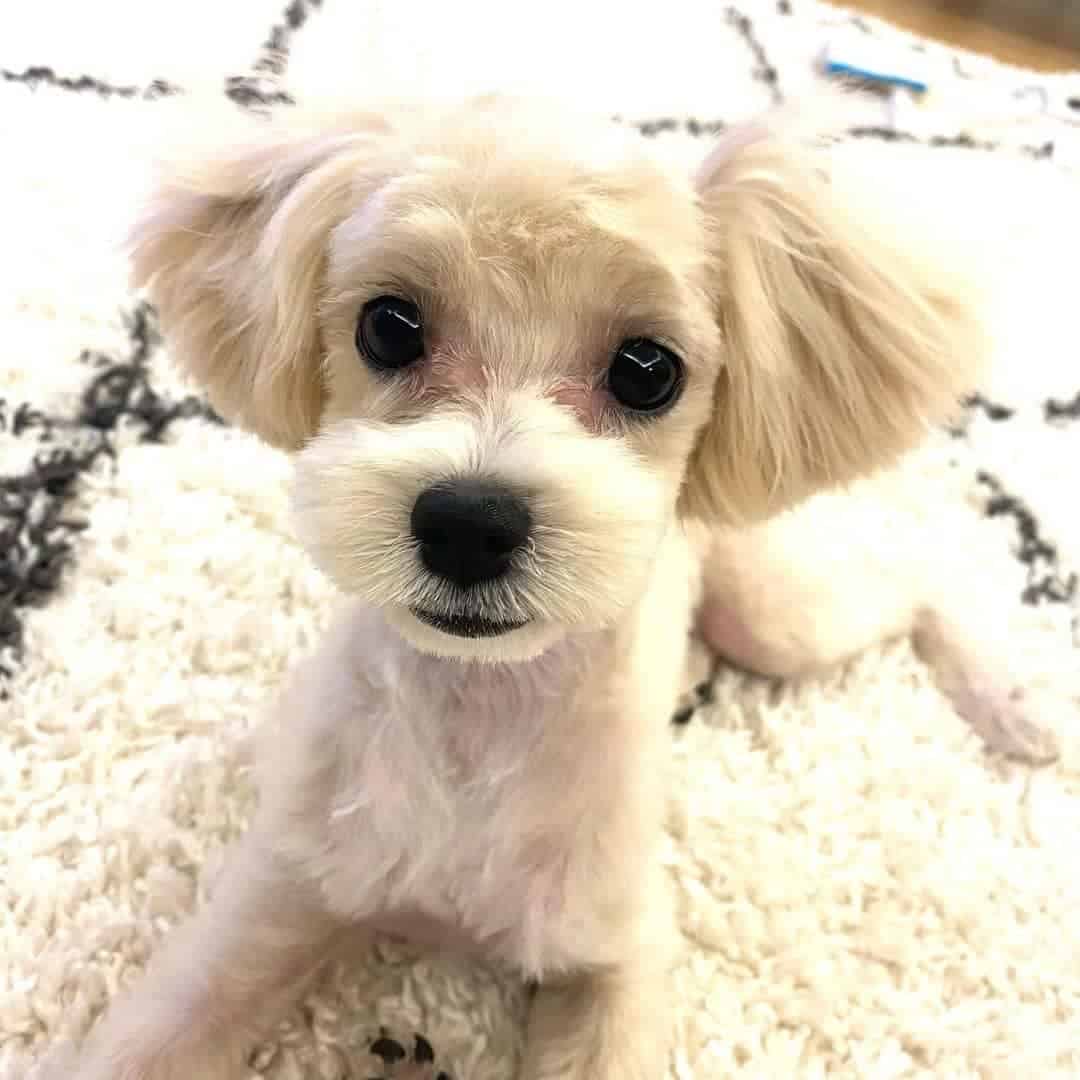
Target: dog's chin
{"type": "Point", "coordinates": [472, 638]}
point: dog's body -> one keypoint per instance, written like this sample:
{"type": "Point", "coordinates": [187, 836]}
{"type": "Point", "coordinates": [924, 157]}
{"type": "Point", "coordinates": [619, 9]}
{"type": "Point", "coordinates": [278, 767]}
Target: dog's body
{"type": "Point", "coordinates": [474, 756]}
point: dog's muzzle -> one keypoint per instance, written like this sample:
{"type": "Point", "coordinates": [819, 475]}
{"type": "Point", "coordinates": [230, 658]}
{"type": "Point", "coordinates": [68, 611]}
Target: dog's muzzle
{"type": "Point", "coordinates": [467, 532]}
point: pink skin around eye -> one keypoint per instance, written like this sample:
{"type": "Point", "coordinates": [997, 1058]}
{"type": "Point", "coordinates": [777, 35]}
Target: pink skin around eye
{"type": "Point", "coordinates": [586, 401]}
{"type": "Point", "coordinates": [449, 372]}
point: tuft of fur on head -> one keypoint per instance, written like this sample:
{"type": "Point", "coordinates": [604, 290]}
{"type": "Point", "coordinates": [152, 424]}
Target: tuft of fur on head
{"type": "Point", "coordinates": [845, 331]}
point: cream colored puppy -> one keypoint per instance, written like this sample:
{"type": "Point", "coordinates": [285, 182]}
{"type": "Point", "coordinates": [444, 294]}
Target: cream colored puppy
{"type": "Point", "coordinates": [525, 373]}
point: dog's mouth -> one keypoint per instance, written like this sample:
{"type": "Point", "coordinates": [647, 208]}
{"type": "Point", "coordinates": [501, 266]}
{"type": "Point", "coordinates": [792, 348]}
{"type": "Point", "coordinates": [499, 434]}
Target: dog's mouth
{"type": "Point", "coordinates": [466, 626]}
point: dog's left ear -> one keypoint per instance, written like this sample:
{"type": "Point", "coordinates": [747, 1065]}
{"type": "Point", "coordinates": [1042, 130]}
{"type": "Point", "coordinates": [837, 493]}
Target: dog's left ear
{"type": "Point", "coordinates": [842, 338]}
{"type": "Point", "coordinates": [231, 244]}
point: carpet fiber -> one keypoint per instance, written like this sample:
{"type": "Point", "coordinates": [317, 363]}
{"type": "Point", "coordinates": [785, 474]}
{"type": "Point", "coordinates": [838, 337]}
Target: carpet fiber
{"type": "Point", "coordinates": [863, 891]}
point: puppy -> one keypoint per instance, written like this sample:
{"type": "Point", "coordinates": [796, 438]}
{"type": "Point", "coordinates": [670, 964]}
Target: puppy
{"type": "Point", "coordinates": [539, 390]}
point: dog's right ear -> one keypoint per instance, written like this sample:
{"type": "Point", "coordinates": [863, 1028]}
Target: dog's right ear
{"type": "Point", "coordinates": [231, 246]}
{"type": "Point", "coordinates": [848, 328]}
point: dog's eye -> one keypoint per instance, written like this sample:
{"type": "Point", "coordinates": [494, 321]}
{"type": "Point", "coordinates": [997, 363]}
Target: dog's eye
{"type": "Point", "coordinates": [644, 376]}
{"type": "Point", "coordinates": [390, 333]}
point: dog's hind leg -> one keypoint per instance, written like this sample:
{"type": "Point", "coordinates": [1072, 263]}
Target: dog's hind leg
{"type": "Point", "coordinates": [798, 595]}
{"type": "Point", "coordinates": [789, 598]}
{"type": "Point", "coordinates": [973, 667]}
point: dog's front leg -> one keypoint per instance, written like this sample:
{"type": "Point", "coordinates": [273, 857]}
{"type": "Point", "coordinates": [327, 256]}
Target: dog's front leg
{"type": "Point", "coordinates": [612, 1022]}
{"type": "Point", "coordinates": [604, 1025]}
{"type": "Point", "coordinates": [220, 981]}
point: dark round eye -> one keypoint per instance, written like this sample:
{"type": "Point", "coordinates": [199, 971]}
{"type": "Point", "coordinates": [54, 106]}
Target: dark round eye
{"type": "Point", "coordinates": [390, 333]}
{"type": "Point", "coordinates": [644, 376]}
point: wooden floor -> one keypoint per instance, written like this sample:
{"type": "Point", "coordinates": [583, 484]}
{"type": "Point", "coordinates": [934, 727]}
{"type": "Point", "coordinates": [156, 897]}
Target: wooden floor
{"type": "Point", "coordinates": [1039, 34]}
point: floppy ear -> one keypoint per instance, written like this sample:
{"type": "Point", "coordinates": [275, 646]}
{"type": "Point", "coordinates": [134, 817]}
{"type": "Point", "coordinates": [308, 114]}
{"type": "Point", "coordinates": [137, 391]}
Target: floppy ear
{"type": "Point", "coordinates": [843, 337]}
{"type": "Point", "coordinates": [231, 244]}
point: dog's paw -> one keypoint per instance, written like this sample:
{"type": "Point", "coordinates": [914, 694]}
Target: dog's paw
{"type": "Point", "coordinates": [1012, 722]}
{"type": "Point", "coordinates": [400, 1062]}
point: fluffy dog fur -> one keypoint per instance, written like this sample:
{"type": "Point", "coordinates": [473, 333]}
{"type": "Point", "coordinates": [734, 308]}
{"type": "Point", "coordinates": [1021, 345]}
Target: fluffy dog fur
{"type": "Point", "coordinates": [501, 793]}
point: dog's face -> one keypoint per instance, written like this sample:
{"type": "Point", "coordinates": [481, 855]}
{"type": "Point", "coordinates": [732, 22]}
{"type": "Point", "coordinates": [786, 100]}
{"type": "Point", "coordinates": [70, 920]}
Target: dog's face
{"type": "Point", "coordinates": [508, 357]}
{"type": "Point", "coordinates": [519, 352]}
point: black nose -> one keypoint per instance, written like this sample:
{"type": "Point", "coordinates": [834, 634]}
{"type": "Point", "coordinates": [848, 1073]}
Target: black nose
{"type": "Point", "coordinates": [468, 529]}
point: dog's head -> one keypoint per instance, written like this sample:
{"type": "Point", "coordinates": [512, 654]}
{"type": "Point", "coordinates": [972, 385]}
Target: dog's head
{"type": "Point", "coordinates": [509, 354]}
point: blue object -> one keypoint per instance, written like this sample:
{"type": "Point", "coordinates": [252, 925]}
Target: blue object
{"type": "Point", "coordinates": [839, 67]}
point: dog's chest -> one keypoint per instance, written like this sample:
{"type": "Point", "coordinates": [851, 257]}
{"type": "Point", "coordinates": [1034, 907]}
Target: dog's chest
{"type": "Point", "coordinates": [459, 806]}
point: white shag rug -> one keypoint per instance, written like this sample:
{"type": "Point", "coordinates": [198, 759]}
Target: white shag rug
{"type": "Point", "coordinates": [864, 893]}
